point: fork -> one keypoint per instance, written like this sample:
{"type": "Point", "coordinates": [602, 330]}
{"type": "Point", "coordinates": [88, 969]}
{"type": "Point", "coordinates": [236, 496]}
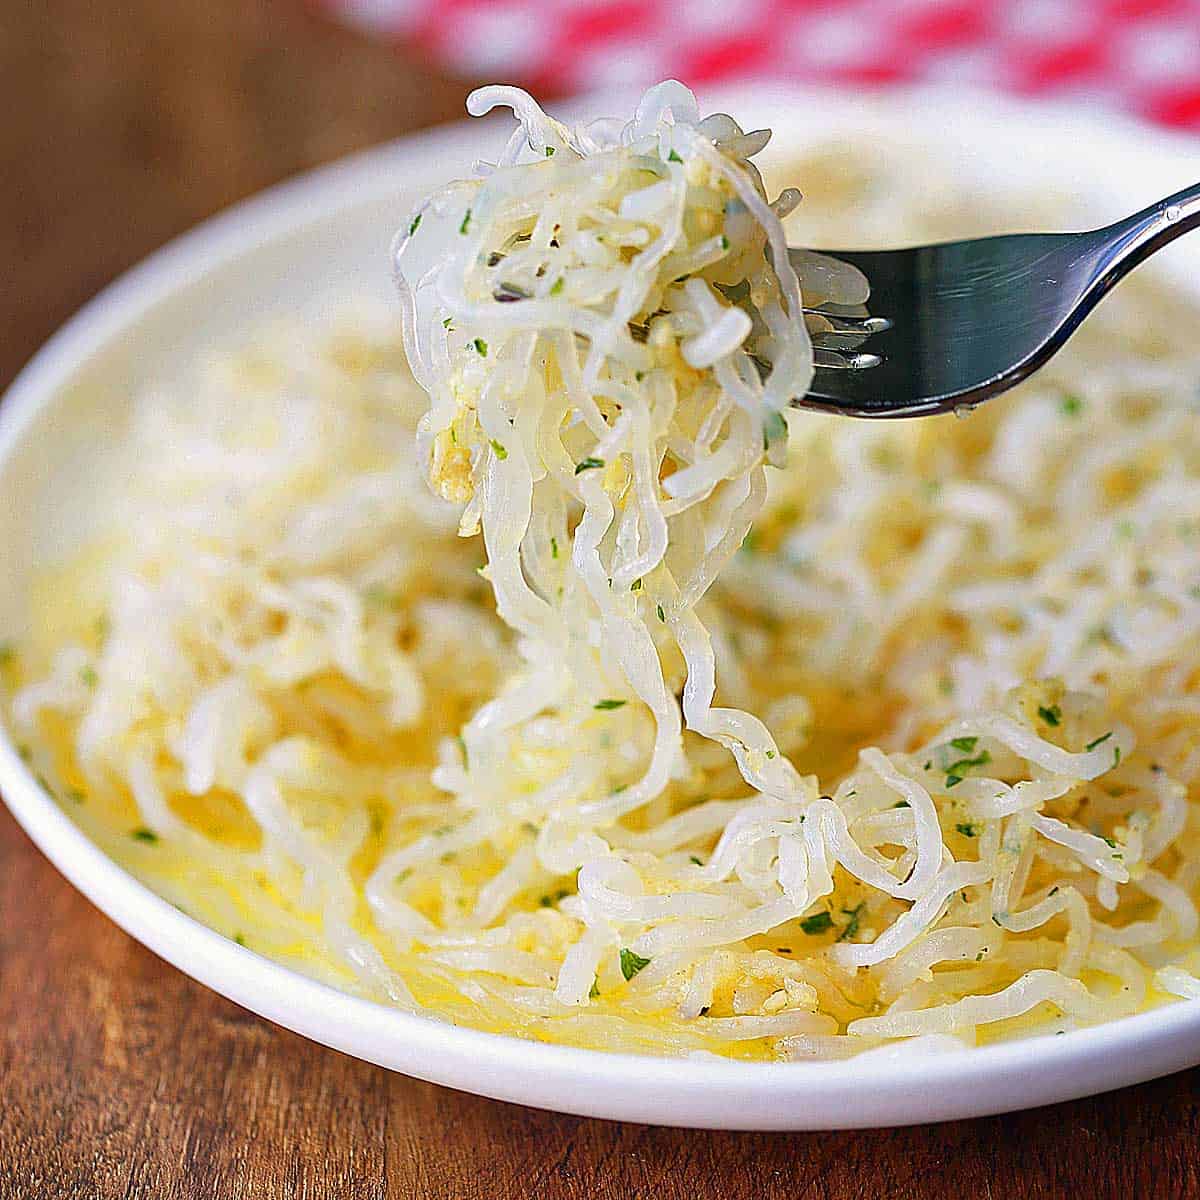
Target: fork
{"type": "Point", "coordinates": [953, 324]}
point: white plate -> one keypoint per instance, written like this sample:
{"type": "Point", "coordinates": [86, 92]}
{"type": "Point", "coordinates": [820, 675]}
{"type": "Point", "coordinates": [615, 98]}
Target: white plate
{"type": "Point", "coordinates": [334, 225]}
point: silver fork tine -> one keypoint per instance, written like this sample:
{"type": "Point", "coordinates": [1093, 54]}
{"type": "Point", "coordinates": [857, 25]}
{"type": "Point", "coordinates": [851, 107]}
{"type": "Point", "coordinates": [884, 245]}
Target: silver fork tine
{"type": "Point", "coordinates": [864, 324]}
{"type": "Point", "coordinates": [831, 360]}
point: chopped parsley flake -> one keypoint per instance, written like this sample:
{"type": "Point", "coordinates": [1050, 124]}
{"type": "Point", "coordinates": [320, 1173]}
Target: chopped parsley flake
{"type": "Point", "coordinates": [416, 222]}
{"type": "Point", "coordinates": [549, 151]}
{"type": "Point", "coordinates": [965, 744]}
{"type": "Point", "coordinates": [662, 616]}
{"type": "Point", "coordinates": [466, 222]}
{"type": "Point", "coordinates": [954, 772]}
{"type": "Point", "coordinates": [770, 753]}
{"type": "Point", "coordinates": [774, 428]}
{"type": "Point", "coordinates": [499, 449]}
{"type": "Point", "coordinates": [817, 923]}
{"type": "Point", "coordinates": [851, 925]}
{"type": "Point", "coordinates": [240, 938]}
{"type": "Point", "coordinates": [145, 835]}
{"type": "Point", "coordinates": [447, 322]}
{"type": "Point", "coordinates": [554, 547]}
{"type": "Point", "coordinates": [594, 991]}
{"type": "Point", "coordinates": [1099, 741]}
{"type": "Point", "coordinates": [673, 157]}
{"type": "Point", "coordinates": [636, 586]}
{"type": "Point", "coordinates": [632, 963]}
{"type": "Point", "coordinates": [899, 803]}
{"type": "Point", "coordinates": [1051, 715]}
{"type": "Point", "coordinates": [558, 285]}
{"type": "Point", "coordinates": [1070, 405]}
{"type": "Point", "coordinates": [480, 347]}
{"type": "Point", "coordinates": [967, 829]}
{"type": "Point", "coordinates": [609, 705]}
{"type": "Point", "coordinates": [693, 859]}
{"type": "Point", "coordinates": [588, 464]}
{"type": "Point", "coordinates": [724, 242]}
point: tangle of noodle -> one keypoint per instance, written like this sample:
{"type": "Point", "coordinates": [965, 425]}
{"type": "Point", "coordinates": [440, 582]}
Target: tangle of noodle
{"type": "Point", "coordinates": [287, 704]}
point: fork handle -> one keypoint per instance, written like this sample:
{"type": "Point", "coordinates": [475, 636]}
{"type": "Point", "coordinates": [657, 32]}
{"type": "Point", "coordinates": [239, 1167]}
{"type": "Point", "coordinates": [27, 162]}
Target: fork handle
{"type": "Point", "coordinates": [1132, 240]}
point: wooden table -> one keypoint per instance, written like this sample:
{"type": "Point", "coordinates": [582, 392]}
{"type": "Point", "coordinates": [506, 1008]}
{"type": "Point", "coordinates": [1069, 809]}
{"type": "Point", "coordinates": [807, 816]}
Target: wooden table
{"type": "Point", "coordinates": [123, 124]}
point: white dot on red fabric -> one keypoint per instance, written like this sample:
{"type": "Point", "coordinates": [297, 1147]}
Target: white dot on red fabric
{"type": "Point", "coordinates": [497, 39]}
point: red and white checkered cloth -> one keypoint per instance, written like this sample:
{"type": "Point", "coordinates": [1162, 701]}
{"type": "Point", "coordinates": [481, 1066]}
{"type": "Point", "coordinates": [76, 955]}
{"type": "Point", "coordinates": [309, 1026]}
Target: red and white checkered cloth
{"type": "Point", "coordinates": [1140, 55]}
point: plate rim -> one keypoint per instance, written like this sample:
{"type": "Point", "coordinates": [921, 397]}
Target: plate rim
{"type": "Point", "coordinates": [879, 1088]}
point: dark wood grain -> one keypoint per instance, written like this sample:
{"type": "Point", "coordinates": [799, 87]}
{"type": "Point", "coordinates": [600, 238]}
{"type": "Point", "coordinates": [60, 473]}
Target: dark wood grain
{"type": "Point", "coordinates": [122, 124]}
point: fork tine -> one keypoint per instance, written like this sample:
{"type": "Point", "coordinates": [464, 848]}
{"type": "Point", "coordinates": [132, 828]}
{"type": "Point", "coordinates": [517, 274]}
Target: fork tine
{"type": "Point", "coordinates": [831, 360]}
{"type": "Point", "coordinates": [865, 323]}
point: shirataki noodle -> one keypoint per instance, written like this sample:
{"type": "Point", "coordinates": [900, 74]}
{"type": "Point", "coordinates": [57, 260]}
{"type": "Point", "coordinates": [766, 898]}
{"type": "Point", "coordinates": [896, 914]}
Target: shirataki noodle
{"type": "Point", "coordinates": [638, 805]}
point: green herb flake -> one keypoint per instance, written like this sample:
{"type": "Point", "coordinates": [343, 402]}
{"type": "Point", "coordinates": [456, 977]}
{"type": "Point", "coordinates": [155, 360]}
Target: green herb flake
{"type": "Point", "coordinates": [724, 242]}
{"type": "Point", "coordinates": [851, 927]}
{"type": "Point", "coordinates": [466, 222]}
{"type": "Point", "coordinates": [965, 744]}
{"type": "Point", "coordinates": [967, 829]}
{"type": "Point", "coordinates": [240, 938]}
{"type": "Point", "coordinates": [770, 753]}
{"type": "Point", "coordinates": [447, 322]}
{"type": "Point", "coordinates": [594, 991]}
{"type": "Point", "coordinates": [1051, 715]}
{"type": "Point", "coordinates": [499, 449]}
{"type": "Point", "coordinates": [820, 922]}
{"type": "Point", "coordinates": [558, 285]}
{"type": "Point", "coordinates": [89, 677]}
{"type": "Point", "coordinates": [44, 784]}
{"type": "Point", "coordinates": [636, 586]}
{"type": "Point", "coordinates": [609, 705]}
{"type": "Point", "coordinates": [588, 464]}
{"type": "Point", "coordinates": [416, 224]}
{"type": "Point", "coordinates": [673, 157]}
{"type": "Point", "coordinates": [1099, 741]}
{"type": "Point", "coordinates": [774, 428]}
{"type": "Point", "coordinates": [694, 860]}
{"type": "Point", "coordinates": [901, 804]}
{"type": "Point", "coordinates": [549, 151]}
{"type": "Point", "coordinates": [462, 747]}
{"type": "Point", "coordinates": [632, 963]}
{"type": "Point", "coordinates": [954, 772]}
{"type": "Point", "coordinates": [1070, 405]}
{"type": "Point", "coordinates": [145, 835]}
{"type": "Point", "coordinates": [554, 547]}
{"type": "Point", "coordinates": [480, 347]}
{"type": "Point", "coordinates": [662, 616]}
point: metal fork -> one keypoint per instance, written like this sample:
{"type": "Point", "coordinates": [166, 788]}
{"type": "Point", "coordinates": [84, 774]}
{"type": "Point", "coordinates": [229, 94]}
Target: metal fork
{"type": "Point", "coordinates": [953, 324]}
